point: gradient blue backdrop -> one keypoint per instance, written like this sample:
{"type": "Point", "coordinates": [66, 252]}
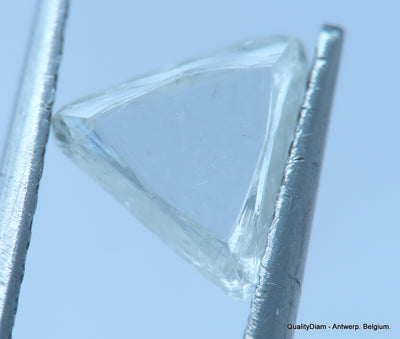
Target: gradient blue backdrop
{"type": "Point", "coordinates": [93, 271]}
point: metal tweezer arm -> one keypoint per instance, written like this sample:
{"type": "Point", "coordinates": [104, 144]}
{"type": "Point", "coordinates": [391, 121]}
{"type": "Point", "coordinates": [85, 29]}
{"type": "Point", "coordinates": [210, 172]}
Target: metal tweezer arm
{"type": "Point", "coordinates": [22, 163]}
{"type": "Point", "coordinates": [277, 295]}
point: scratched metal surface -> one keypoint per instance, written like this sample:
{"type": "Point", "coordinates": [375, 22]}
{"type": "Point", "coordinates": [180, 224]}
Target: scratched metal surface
{"type": "Point", "coordinates": [22, 161]}
{"type": "Point", "coordinates": [276, 298]}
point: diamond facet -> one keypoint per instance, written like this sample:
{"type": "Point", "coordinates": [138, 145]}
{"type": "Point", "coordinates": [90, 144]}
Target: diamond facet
{"type": "Point", "coordinates": [197, 152]}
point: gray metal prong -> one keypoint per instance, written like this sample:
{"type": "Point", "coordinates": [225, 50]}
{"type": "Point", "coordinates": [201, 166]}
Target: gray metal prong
{"type": "Point", "coordinates": [22, 162]}
{"type": "Point", "coordinates": [277, 294]}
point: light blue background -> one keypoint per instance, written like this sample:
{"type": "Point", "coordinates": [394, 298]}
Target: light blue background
{"type": "Point", "coordinates": [94, 272]}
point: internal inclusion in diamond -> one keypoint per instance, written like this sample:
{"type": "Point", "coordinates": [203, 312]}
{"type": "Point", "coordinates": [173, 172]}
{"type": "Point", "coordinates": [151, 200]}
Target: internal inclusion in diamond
{"type": "Point", "coordinates": [197, 152]}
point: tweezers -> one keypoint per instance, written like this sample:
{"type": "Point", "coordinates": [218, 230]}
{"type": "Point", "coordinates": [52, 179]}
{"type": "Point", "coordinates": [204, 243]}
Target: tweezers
{"type": "Point", "coordinates": [277, 294]}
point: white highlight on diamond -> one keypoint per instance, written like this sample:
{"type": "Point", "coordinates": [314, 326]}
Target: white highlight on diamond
{"type": "Point", "coordinates": [197, 152]}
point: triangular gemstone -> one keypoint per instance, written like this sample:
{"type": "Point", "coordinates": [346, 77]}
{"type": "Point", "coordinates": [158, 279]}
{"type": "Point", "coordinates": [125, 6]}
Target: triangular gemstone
{"type": "Point", "coordinates": [197, 152]}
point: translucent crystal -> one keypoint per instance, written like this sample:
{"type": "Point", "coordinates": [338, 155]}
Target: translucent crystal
{"type": "Point", "coordinates": [197, 152]}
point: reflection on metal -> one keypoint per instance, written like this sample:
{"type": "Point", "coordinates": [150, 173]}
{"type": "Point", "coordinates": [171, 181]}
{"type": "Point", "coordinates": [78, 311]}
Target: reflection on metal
{"type": "Point", "coordinates": [277, 295]}
{"type": "Point", "coordinates": [22, 163]}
